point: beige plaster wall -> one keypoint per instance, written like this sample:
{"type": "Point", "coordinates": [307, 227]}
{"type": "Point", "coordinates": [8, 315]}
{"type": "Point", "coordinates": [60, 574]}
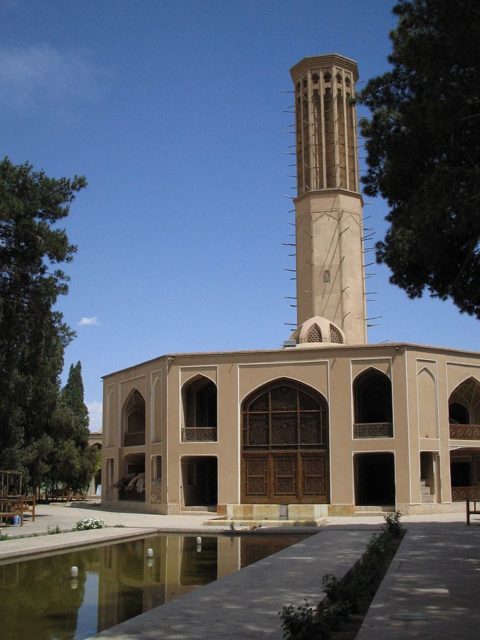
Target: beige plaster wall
{"type": "Point", "coordinates": [422, 379]}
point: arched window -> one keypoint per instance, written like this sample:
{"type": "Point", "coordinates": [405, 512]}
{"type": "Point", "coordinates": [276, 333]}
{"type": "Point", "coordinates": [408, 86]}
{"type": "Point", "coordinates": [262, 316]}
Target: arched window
{"type": "Point", "coordinates": [335, 335]}
{"type": "Point", "coordinates": [464, 402]}
{"type": "Point", "coordinates": [464, 410]}
{"type": "Point", "coordinates": [314, 335]}
{"type": "Point", "coordinates": [200, 410]}
{"type": "Point", "coordinates": [285, 444]}
{"type": "Point", "coordinates": [285, 414]}
{"type": "Point", "coordinates": [134, 419]}
{"type": "Point", "coordinates": [372, 393]}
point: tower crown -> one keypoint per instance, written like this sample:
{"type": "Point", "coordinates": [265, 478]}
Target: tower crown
{"type": "Point", "coordinates": [325, 123]}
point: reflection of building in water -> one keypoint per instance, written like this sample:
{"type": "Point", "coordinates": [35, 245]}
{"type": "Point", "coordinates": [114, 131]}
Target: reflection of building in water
{"type": "Point", "coordinates": [131, 583]}
{"type": "Point", "coordinates": [326, 425]}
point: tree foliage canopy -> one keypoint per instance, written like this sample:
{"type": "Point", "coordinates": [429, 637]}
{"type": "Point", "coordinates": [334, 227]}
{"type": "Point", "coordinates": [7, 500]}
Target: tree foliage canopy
{"type": "Point", "coordinates": [32, 334]}
{"type": "Point", "coordinates": [423, 150]}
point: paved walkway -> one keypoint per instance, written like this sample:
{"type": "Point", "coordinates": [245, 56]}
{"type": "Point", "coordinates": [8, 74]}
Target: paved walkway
{"type": "Point", "coordinates": [430, 591]}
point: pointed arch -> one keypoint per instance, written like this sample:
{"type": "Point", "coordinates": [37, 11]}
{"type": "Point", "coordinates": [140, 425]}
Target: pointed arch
{"type": "Point", "coordinates": [285, 444]}
{"type": "Point", "coordinates": [199, 400]}
{"type": "Point", "coordinates": [335, 335]}
{"type": "Point", "coordinates": [464, 402]}
{"type": "Point", "coordinates": [427, 404]}
{"type": "Point", "coordinates": [464, 410]}
{"type": "Point", "coordinates": [133, 419]}
{"type": "Point", "coordinates": [314, 334]}
{"type": "Point", "coordinates": [372, 401]}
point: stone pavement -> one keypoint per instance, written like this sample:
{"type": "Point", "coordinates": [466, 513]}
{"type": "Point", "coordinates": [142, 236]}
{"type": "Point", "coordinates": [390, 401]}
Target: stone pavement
{"type": "Point", "coordinates": [432, 589]}
{"type": "Point", "coordinates": [64, 515]}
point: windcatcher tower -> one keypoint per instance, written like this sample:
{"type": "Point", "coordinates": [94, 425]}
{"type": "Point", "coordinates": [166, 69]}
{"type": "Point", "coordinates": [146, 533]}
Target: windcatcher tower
{"type": "Point", "coordinates": [328, 206]}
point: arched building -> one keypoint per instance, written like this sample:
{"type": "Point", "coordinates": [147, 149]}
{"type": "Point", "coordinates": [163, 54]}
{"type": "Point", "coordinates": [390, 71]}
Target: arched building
{"type": "Point", "coordinates": [328, 424]}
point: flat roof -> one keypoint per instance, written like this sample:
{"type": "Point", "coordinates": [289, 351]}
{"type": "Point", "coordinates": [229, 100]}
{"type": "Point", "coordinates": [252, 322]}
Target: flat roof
{"type": "Point", "coordinates": [320, 347]}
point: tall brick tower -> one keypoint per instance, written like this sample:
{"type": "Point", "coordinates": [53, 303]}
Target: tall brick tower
{"type": "Point", "coordinates": [328, 206]}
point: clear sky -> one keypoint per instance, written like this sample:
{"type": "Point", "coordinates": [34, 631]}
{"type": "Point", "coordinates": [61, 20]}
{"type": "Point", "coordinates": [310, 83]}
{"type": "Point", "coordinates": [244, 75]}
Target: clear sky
{"type": "Point", "coordinates": [175, 113]}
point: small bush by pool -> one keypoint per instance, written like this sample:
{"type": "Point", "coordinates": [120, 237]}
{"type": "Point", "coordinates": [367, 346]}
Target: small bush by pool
{"type": "Point", "coordinates": [88, 523]}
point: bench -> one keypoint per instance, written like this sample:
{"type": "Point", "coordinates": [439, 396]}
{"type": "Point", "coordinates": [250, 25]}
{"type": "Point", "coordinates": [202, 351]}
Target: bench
{"type": "Point", "coordinates": [28, 506]}
{"type": "Point", "coordinates": [473, 507]}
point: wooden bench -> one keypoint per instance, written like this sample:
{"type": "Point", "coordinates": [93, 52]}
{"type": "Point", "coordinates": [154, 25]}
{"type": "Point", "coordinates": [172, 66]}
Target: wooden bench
{"type": "Point", "coordinates": [473, 508]}
{"type": "Point", "coordinates": [28, 506]}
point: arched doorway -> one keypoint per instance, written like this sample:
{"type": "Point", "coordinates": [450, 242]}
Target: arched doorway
{"type": "Point", "coordinates": [285, 445]}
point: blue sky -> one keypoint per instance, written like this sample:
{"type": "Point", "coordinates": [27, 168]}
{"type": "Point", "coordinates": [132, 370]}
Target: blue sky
{"type": "Point", "coordinates": [174, 111]}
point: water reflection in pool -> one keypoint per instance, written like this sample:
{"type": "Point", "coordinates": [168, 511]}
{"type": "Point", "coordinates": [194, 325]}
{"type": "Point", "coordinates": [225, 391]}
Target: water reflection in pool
{"type": "Point", "coordinates": [40, 601]}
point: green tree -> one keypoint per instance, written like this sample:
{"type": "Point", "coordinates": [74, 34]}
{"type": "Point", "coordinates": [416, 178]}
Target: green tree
{"type": "Point", "coordinates": [73, 396]}
{"type": "Point", "coordinates": [72, 461]}
{"type": "Point", "coordinates": [32, 334]}
{"type": "Point", "coordinates": [423, 150]}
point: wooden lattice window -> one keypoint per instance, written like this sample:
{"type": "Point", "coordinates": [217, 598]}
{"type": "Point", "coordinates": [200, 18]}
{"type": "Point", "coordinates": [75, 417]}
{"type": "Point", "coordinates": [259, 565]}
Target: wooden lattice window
{"type": "Point", "coordinates": [285, 415]}
{"type": "Point", "coordinates": [200, 403]}
{"type": "Point", "coordinates": [314, 475]}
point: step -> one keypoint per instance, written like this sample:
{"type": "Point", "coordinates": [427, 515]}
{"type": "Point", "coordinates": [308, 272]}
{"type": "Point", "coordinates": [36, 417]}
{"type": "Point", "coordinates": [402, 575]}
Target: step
{"type": "Point", "coordinates": [370, 510]}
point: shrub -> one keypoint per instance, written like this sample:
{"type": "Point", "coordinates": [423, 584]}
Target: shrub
{"type": "Point", "coordinates": [392, 524]}
{"type": "Point", "coordinates": [88, 523]}
{"type": "Point", "coordinates": [302, 623]}
{"type": "Point", "coordinates": [335, 608]}
{"type": "Point", "coordinates": [52, 530]}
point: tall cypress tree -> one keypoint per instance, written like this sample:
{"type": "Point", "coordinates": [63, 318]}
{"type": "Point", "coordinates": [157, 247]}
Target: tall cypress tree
{"type": "Point", "coordinates": [32, 335]}
{"type": "Point", "coordinates": [72, 462]}
{"type": "Point", "coordinates": [73, 396]}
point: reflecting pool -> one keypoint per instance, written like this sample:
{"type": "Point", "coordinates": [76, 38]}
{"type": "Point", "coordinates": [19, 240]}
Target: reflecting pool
{"type": "Point", "coordinates": [40, 601]}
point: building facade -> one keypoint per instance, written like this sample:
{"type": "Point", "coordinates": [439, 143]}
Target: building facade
{"type": "Point", "coordinates": [325, 425]}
